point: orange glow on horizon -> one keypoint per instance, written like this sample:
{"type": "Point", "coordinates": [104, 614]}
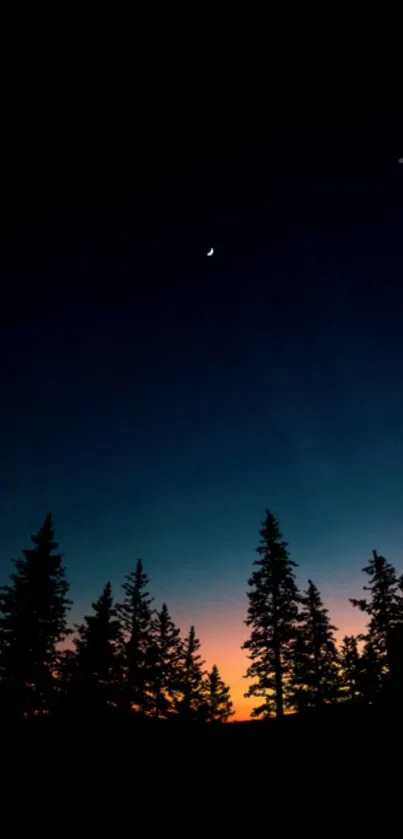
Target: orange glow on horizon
{"type": "Point", "coordinates": [222, 640]}
{"type": "Point", "coordinates": [222, 634]}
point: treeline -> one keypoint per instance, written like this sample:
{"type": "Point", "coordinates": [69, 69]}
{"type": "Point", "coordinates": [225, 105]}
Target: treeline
{"type": "Point", "coordinates": [295, 662]}
{"type": "Point", "coordinates": [126, 657]}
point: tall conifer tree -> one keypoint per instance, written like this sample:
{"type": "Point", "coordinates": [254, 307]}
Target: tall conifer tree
{"type": "Point", "coordinates": [189, 703]}
{"type": "Point", "coordinates": [95, 667]}
{"type": "Point", "coordinates": [166, 651]}
{"type": "Point", "coordinates": [384, 608]}
{"type": "Point", "coordinates": [273, 617]}
{"type": "Point", "coordinates": [316, 667]}
{"type": "Point", "coordinates": [135, 616]}
{"type": "Point", "coordinates": [33, 620]}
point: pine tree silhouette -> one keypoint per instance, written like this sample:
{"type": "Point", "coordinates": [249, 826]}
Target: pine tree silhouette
{"type": "Point", "coordinates": [273, 615]}
{"type": "Point", "coordinates": [95, 668]}
{"type": "Point", "coordinates": [385, 610]}
{"type": "Point", "coordinates": [33, 620]}
{"type": "Point", "coordinates": [135, 616]}
{"type": "Point", "coordinates": [373, 672]}
{"type": "Point", "coordinates": [316, 669]}
{"type": "Point", "coordinates": [166, 652]}
{"type": "Point", "coordinates": [351, 673]}
{"type": "Point", "coordinates": [189, 702]}
{"type": "Point", "coordinates": [216, 697]}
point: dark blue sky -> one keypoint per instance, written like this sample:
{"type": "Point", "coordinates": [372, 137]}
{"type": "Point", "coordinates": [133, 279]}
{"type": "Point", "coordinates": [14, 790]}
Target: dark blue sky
{"type": "Point", "coordinates": [156, 400]}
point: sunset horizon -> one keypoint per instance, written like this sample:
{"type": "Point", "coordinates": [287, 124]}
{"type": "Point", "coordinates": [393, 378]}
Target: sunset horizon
{"type": "Point", "coordinates": [199, 324]}
{"type": "Point", "coordinates": [221, 642]}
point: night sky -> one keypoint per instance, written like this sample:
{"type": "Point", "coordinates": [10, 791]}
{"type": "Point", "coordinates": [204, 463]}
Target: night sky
{"type": "Point", "coordinates": [156, 400]}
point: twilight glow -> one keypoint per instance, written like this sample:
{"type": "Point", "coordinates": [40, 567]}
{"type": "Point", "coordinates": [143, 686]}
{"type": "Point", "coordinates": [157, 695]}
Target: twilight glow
{"type": "Point", "coordinates": [156, 402]}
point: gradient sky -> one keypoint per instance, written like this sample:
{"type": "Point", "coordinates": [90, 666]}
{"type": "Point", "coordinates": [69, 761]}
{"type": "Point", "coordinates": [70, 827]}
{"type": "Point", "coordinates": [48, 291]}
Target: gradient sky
{"type": "Point", "coordinates": [157, 401]}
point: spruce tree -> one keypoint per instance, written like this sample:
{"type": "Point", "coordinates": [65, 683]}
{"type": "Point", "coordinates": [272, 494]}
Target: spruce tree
{"type": "Point", "coordinates": [95, 667]}
{"type": "Point", "coordinates": [373, 672]}
{"type": "Point", "coordinates": [217, 700]}
{"type": "Point", "coordinates": [33, 620]}
{"type": "Point", "coordinates": [135, 616]}
{"type": "Point", "coordinates": [316, 671]}
{"type": "Point", "coordinates": [273, 615]}
{"type": "Point", "coordinates": [189, 702]}
{"type": "Point", "coordinates": [384, 608]}
{"type": "Point", "coordinates": [350, 676]}
{"type": "Point", "coordinates": [166, 650]}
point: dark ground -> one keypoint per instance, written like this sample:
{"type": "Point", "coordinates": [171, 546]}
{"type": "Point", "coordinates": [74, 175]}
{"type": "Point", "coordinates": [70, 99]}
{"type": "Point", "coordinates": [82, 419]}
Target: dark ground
{"type": "Point", "coordinates": [323, 774]}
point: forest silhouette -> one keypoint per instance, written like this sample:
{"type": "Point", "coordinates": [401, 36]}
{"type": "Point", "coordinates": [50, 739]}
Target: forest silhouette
{"type": "Point", "coordinates": [127, 660]}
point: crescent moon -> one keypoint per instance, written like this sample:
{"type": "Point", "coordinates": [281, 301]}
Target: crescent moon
{"type": "Point", "coordinates": [210, 252]}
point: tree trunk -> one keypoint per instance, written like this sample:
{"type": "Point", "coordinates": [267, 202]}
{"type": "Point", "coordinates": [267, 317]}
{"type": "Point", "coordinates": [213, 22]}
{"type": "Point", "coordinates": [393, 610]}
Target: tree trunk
{"type": "Point", "coordinates": [278, 673]}
{"type": "Point", "coordinates": [318, 685]}
{"type": "Point", "coordinates": [279, 684]}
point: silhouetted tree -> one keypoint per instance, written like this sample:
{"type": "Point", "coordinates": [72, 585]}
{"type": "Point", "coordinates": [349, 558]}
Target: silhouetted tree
{"type": "Point", "coordinates": [189, 702]}
{"type": "Point", "coordinates": [351, 672]}
{"type": "Point", "coordinates": [372, 672]}
{"type": "Point", "coordinates": [95, 668]}
{"type": "Point", "coordinates": [135, 616]}
{"type": "Point", "coordinates": [33, 620]}
{"type": "Point", "coordinates": [273, 615]}
{"type": "Point", "coordinates": [216, 697]}
{"type": "Point", "coordinates": [316, 669]}
{"type": "Point", "coordinates": [385, 610]}
{"type": "Point", "coordinates": [166, 651]}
